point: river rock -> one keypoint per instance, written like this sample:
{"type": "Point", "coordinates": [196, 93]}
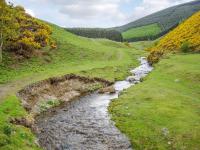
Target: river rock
{"type": "Point", "coordinates": [109, 89]}
{"type": "Point", "coordinates": [131, 78]}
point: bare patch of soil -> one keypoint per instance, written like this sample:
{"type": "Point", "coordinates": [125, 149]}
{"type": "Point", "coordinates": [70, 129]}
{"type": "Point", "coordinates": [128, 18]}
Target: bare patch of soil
{"type": "Point", "coordinates": [37, 96]}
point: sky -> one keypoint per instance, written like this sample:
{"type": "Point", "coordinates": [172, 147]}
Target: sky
{"type": "Point", "coordinates": [93, 13]}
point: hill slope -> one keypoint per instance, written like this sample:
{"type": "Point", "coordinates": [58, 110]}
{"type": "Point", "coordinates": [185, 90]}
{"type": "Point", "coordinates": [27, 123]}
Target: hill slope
{"type": "Point", "coordinates": [166, 19]}
{"type": "Point", "coordinates": [185, 37]}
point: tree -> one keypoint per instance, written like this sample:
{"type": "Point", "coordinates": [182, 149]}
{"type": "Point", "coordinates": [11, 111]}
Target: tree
{"type": "Point", "coordinates": [8, 24]}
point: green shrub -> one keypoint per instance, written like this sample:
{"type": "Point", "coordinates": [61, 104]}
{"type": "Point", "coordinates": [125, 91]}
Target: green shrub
{"type": "Point", "coordinates": [4, 140]}
{"type": "Point", "coordinates": [185, 47]}
{"type": "Point", "coordinates": [7, 130]}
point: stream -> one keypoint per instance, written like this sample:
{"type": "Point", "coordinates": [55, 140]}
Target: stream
{"type": "Point", "coordinates": [84, 124]}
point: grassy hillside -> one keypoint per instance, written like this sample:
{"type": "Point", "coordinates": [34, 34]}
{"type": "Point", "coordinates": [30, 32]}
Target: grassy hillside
{"type": "Point", "coordinates": [185, 38]}
{"type": "Point", "coordinates": [166, 19]}
{"type": "Point", "coordinates": [163, 111]}
{"type": "Point", "coordinates": [89, 57]}
{"type": "Point", "coordinates": [143, 31]}
{"type": "Point", "coordinates": [72, 51]}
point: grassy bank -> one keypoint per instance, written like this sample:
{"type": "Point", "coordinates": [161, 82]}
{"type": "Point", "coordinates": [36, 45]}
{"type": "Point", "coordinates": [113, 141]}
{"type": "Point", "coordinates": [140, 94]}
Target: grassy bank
{"type": "Point", "coordinates": [14, 137]}
{"type": "Point", "coordinates": [163, 111]}
{"type": "Point", "coordinates": [88, 57]}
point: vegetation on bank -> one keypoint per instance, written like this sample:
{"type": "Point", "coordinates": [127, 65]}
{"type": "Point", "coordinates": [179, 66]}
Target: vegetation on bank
{"type": "Point", "coordinates": [163, 111]}
{"type": "Point", "coordinates": [13, 137]}
{"type": "Point", "coordinates": [144, 31]}
{"type": "Point", "coordinates": [186, 37]}
{"type": "Point", "coordinates": [97, 33]}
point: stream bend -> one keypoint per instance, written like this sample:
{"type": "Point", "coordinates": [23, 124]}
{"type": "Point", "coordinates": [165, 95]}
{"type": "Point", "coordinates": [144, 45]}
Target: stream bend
{"type": "Point", "coordinates": [85, 124]}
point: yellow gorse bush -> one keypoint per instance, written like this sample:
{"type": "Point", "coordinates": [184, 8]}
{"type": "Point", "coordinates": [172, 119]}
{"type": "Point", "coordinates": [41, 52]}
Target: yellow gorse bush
{"type": "Point", "coordinates": [20, 33]}
{"type": "Point", "coordinates": [188, 31]}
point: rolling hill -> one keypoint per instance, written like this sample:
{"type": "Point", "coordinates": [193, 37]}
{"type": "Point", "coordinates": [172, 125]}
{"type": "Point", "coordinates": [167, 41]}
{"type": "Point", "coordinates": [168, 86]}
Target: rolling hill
{"type": "Point", "coordinates": [165, 19]}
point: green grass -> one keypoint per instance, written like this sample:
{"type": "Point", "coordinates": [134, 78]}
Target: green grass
{"type": "Point", "coordinates": [94, 58]}
{"type": "Point", "coordinates": [144, 31]}
{"type": "Point", "coordinates": [163, 112]}
{"type": "Point", "coordinates": [143, 45]}
{"type": "Point", "coordinates": [14, 137]}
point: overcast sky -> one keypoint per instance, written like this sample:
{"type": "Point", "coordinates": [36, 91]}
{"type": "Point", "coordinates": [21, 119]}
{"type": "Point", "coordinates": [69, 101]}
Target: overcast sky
{"type": "Point", "coordinates": [93, 13]}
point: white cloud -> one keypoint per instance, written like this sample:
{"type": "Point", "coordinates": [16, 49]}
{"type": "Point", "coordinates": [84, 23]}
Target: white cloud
{"type": "Point", "coordinates": [90, 11]}
{"type": "Point", "coordinates": [30, 12]}
{"type": "Point", "coordinates": [93, 13]}
{"type": "Point", "coordinates": [108, 11]}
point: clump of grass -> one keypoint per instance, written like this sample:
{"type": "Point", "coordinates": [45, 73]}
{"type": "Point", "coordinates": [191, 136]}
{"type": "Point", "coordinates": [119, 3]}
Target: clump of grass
{"type": "Point", "coordinates": [94, 87]}
{"type": "Point", "coordinates": [11, 137]}
{"type": "Point", "coordinates": [45, 105]}
{"type": "Point", "coordinates": [4, 140]}
{"type": "Point", "coordinates": [7, 130]}
{"type": "Point", "coordinates": [127, 44]}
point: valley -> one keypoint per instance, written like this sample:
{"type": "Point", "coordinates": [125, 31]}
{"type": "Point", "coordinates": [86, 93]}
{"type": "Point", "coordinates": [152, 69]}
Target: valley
{"type": "Point", "coordinates": [134, 86]}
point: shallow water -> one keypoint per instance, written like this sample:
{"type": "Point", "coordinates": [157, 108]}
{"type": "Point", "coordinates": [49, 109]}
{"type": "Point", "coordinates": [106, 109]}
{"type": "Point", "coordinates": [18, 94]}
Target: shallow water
{"type": "Point", "coordinates": [84, 124]}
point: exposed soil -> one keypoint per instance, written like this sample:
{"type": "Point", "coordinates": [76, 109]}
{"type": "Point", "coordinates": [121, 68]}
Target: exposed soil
{"type": "Point", "coordinates": [61, 89]}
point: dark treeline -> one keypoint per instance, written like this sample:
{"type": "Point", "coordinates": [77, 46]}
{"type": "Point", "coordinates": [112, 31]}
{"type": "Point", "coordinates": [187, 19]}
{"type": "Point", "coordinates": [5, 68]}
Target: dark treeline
{"type": "Point", "coordinates": [97, 33]}
{"type": "Point", "coordinates": [150, 37]}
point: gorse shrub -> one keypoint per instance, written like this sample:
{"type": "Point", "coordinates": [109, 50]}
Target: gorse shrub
{"type": "Point", "coordinates": [186, 37]}
{"type": "Point", "coordinates": [21, 32]}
